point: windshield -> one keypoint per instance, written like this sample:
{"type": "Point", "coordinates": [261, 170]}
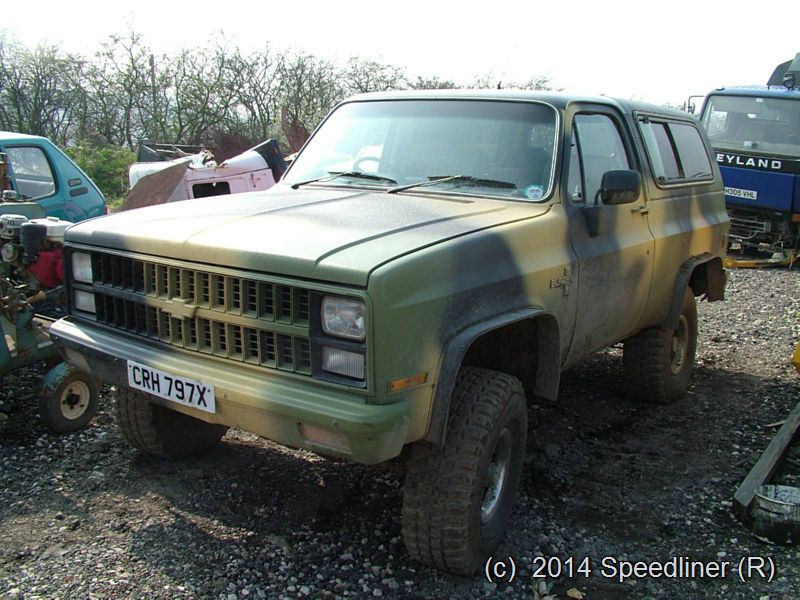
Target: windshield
{"type": "Point", "coordinates": [473, 147]}
{"type": "Point", "coordinates": [767, 125]}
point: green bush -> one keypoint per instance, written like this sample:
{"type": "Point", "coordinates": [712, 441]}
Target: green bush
{"type": "Point", "coordinates": [106, 165]}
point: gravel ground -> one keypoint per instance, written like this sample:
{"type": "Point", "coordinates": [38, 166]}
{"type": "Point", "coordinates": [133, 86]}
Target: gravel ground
{"type": "Point", "coordinates": [84, 516]}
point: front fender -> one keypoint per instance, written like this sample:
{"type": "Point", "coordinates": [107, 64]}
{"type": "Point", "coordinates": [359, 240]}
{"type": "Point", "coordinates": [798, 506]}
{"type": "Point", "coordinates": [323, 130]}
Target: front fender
{"type": "Point", "coordinates": [547, 374]}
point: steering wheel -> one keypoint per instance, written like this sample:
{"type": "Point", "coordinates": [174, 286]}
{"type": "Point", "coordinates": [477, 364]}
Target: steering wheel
{"type": "Point", "coordinates": [364, 159]}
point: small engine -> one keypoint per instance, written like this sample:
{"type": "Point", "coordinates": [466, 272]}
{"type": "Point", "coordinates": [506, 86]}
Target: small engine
{"type": "Point", "coordinates": [31, 250]}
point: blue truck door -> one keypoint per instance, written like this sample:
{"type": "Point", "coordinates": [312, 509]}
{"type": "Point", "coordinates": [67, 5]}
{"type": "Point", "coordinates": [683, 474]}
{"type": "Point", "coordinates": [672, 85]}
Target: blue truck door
{"type": "Point", "coordinates": [40, 172]}
{"type": "Point", "coordinates": [756, 189]}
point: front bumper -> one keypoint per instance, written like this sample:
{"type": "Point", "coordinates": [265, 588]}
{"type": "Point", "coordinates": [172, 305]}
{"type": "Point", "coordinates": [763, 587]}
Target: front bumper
{"type": "Point", "coordinates": [268, 404]}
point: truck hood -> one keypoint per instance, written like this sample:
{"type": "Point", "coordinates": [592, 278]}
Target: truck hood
{"type": "Point", "coordinates": [323, 234]}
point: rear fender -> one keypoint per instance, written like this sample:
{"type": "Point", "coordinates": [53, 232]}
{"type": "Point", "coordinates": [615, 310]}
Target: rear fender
{"type": "Point", "coordinates": [705, 275]}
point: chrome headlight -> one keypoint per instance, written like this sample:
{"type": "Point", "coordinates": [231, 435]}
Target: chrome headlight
{"type": "Point", "coordinates": [344, 318]}
{"type": "Point", "coordinates": [82, 267]}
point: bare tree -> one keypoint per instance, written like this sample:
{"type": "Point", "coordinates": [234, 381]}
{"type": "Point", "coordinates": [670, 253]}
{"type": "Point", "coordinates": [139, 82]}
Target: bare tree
{"type": "Point", "coordinates": [207, 88]}
{"type": "Point", "coordinates": [259, 96]}
{"type": "Point", "coordinates": [490, 81]}
{"type": "Point", "coordinates": [310, 87]}
{"type": "Point", "coordinates": [40, 93]}
{"type": "Point", "coordinates": [208, 94]}
{"type": "Point", "coordinates": [364, 75]}
{"type": "Point", "coordinates": [536, 82]}
{"type": "Point", "coordinates": [433, 83]}
{"type": "Point", "coordinates": [125, 92]}
{"type": "Point", "coordinates": [7, 120]}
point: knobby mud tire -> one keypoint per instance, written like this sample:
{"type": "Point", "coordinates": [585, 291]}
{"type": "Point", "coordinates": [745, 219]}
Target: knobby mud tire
{"type": "Point", "coordinates": [449, 488]}
{"type": "Point", "coordinates": [160, 432]}
{"type": "Point", "coordinates": [658, 362]}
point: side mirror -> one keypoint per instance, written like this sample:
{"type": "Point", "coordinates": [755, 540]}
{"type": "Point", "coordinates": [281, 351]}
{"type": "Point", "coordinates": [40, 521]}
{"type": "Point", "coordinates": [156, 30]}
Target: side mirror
{"type": "Point", "coordinates": [620, 187]}
{"type": "Point", "coordinates": [616, 187]}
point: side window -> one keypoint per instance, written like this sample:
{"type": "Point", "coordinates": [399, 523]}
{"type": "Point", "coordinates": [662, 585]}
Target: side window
{"type": "Point", "coordinates": [691, 151]}
{"type": "Point", "coordinates": [676, 151]}
{"type": "Point", "coordinates": [659, 146]}
{"type": "Point", "coordinates": [601, 149]}
{"type": "Point", "coordinates": [31, 172]}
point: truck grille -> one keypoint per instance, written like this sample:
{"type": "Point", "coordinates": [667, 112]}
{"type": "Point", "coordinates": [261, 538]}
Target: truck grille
{"type": "Point", "coordinates": [236, 317]}
{"type": "Point", "coordinates": [747, 227]}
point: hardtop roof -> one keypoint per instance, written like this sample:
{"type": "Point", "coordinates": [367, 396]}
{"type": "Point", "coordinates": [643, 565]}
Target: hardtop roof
{"type": "Point", "coordinates": [12, 136]}
{"type": "Point", "coordinates": [559, 100]}
{"type": "Point", "coordinates": [773, 91]}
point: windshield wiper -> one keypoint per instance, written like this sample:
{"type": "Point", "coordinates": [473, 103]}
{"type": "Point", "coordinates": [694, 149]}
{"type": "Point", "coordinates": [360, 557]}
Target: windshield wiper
{"type": "Point", "coordinates": [336, 174]}
{"type": "Point", "coordinates": [469, 179]}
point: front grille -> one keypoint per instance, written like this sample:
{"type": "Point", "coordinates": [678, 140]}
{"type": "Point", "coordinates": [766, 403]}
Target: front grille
{"type": "Point", "coordinates": [236, 317]}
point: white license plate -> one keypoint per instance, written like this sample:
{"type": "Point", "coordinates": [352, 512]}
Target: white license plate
{"type": "Point", "coordinates": [182, 390]}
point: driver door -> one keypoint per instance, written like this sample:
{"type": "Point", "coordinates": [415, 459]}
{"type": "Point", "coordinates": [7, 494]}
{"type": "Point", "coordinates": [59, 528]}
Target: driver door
{"type": "Point", "coordinates": [615, 266]}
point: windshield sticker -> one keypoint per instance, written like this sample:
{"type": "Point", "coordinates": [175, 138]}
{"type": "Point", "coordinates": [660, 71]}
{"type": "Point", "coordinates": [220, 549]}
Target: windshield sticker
{"type": "Point", "coordinates": [534, 192]}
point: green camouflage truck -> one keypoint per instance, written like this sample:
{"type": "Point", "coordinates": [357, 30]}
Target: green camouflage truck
{"type": "Point", "coordinates": [426, 268]}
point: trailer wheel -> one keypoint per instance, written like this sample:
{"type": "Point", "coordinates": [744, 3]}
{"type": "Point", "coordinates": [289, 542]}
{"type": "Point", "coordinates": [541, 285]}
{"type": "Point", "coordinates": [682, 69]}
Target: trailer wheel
{"type": "Point", "coordinates": [73, 402]}
{"type": "Point", "coordinates": [658, 362]}
{"type": "Point", "coordinates": [458, 498]}
{"type": "Point", "coordinates": [160, 432]}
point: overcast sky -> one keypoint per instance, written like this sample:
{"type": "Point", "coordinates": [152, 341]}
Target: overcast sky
{"type": "Point", "coordinates": [659, 52]}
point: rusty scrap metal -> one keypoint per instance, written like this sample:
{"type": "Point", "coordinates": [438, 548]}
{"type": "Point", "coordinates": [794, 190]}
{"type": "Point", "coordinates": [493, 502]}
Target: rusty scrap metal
{"type": "Point", "coordinates": [732, 262]}
{"type": "Point", "coordinates": [766, 466]}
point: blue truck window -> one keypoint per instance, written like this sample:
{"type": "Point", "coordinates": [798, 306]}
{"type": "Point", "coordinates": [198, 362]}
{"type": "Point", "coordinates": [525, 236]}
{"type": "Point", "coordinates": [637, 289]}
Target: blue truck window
{"type": "Point", "coordinates": [31, 172]}
{"type": "Point", "coordinates": [770, 125]}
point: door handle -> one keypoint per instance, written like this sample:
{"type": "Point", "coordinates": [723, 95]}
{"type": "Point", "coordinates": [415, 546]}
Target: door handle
{"type": "Point", "coordinates": [642, 210]}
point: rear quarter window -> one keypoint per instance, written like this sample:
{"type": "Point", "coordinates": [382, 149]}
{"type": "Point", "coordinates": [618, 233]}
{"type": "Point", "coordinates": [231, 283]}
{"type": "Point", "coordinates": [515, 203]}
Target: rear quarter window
{"type": "Point", "coordinates": [676, 151]}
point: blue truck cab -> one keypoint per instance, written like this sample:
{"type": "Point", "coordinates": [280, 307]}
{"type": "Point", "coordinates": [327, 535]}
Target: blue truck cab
{"type": "Point", "coordinates": [39, 172]}
{"type": "Point", "coordinates": [755, 134]}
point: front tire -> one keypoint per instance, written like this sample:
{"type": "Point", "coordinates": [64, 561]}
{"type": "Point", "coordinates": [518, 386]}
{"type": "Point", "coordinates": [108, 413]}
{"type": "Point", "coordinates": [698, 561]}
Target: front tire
{"type": "Point", "coordinates": [160, 432]}
{"type": "Point", "coordinates": [458, 498]}
{"type": "Point", "coordinates": [658, 362]}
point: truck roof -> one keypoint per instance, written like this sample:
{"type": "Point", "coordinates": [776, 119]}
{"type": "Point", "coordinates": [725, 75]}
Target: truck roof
{"type": "Point", "coordinates": [559, 100]}
{"type": "Point", "coordinates": [11, 136]}
{"type": "Point", "coordinates": [775, 91]}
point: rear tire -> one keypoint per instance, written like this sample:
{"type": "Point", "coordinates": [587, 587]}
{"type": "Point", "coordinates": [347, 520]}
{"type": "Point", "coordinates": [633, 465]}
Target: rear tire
{"type": "Point", "coordinates": [458, 498]}
{"type": "Point", "coordinates": [159, 431]}
{"type": "Point", "coordinates": [658, 362]}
